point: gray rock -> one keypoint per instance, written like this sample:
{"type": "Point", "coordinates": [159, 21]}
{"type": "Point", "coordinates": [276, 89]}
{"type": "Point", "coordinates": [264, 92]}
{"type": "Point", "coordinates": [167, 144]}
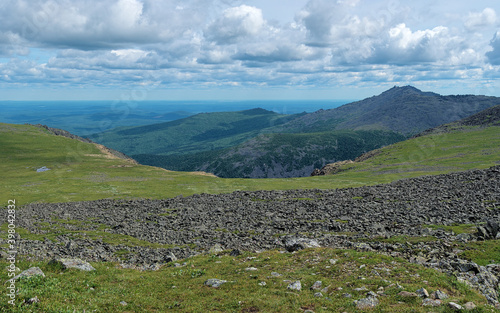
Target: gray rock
{"type": "Point", "coordinates": [464, 237]}
{"type": "Point", "coordinates": [32, 271]}
{"type": "Point", "coordinates": [295, 244]}
{"type": "Point", "coordinates": [346, 295]}
{"type": "Point", "coordinates": [469, 306]}
{"type": "Point", "coordinates": [217, 248]}
{"type": "Point", "coordinates": [251, 269]}
{"type": "Point", "coordinates": [318, 294]}
{"type": "Point", "coordinates": [32, 300]}
{"type": "Point", "coordinates": [275, 274]}
{"type": "Point", "coordinates": [123, 303]}
{"type": "Point", "coordinates": [431, 302]}
{"type": "Point", "coordinates": [214, 282]}
{"type": "Point", "coordinates": [422, 292]}
{"type": "Point", "coordinates": [438, 294]}
{"type": "Point", "coordinates": [366, 303]}
{"type": "Point", "coordinates": [407, 294]}
{"type": "Point", "coordinates": [262, 283]}
{"type": "Point", "coordinates": [454, 306]}
{"type": "Point", "coordinates": [295, 286]}
{"type": "Point", "coordinates": [73, 263]}
{"type": "Point", "coordinates": [317, 285]}
{"type": "Point", "coordinates": [42, 169]}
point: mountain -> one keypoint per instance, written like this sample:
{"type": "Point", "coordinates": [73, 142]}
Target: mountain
{"type": "Point", "coordinates": [464, 144]}
{"type": "Point", "coordinates": [201, 132]}
{"type": "Point", "coordinates": [405, 110]}
{"type": "Point", "coordinates": [485, 118]}
{"type": "Point", "coordinates": [277, 155]}
{"type": "Point", "coordinates": [258, 143]}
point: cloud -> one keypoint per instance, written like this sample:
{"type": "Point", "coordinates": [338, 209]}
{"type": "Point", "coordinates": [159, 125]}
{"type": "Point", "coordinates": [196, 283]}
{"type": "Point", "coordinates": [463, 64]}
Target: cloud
{"type": "Point", "coordinates": [475, 20]}
{"type": "Point", "coordinates": [99, 24]}
{"type": "Point", "coordinates": [236, 23]}
{"type": "Point", "coordinates": [402, 45]}
{"type": "Point", "coordinates": [494, 55]}
{"type": "Point", "coordinates": [230, 42]}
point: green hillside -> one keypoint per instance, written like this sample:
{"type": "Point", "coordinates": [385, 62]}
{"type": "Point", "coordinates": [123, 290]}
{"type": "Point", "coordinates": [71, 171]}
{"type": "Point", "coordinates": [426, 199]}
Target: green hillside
{"type": "Point", "coordinates": [201, 132]}
{"type": "Point", "coordinates": [80, 171]}
{"type": "Point", "coordinates": [277, 155]}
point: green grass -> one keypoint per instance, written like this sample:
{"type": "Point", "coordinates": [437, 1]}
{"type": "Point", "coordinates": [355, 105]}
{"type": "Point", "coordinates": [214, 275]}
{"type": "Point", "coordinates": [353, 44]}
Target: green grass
{"type": "Point", "coordinates": [79, 171]}
{"type": "Point", "coordinates": [182, 289]}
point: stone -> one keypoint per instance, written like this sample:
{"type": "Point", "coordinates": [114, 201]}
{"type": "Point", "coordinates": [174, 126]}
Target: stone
{"type": "Point", "coordinates": [235, 252]}
{"type": "Point", "coordinates": [32, 300]}
{"type": "Point", "coordinates": [251, 269]}
{"type": "Point", "coordinates": [275, 274]}
{"type": "Point", "coordinates": [42, 169]}
{"type": "Point", "coordinates": [422, 292]}
{"type": "Point", "coordinates": [346, 295]}
{"type": "Point", "coordinates": [295, 286]}
{"type": "Point", "coordinates": [123, 303]}
{"type": "Point", "coordinates": [469, 306]}
{"type": "Point", "coordinates": [431, 302]}
{"type": "Point", "coordinates": [438, 294]}
{"type": "Point", "coordinates": [73, 263]}
{"type": "Point", "coordinates": [32, 271]}
{"type": "Point", "coordinates": [454, 306]}
{"type": "Point", "coordinates": [214, 282]}
{"type": "Point", "coordinates": [333, 261]}
{"type": "Point", "coordinates": [294, 244]}
{"type": "Point", "coordinates": [217, 248]}
{"type": "Point", "coordinates": [317, 285]}
{"type": "Point", "coordinates": [464, 237]}
{"type": "Point", "coordinates": [262, 283]}
{"type": "Point", "coordinates": [407, 294]}
{"type": "Point", "coordinates": [318, 294]}
{"type": "Point", "coordinates": [366, 303]}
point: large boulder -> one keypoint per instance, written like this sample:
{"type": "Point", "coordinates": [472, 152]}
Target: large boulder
{"type": "Point", "coordinates": [72, 263]}
{"type": "Point", "coordinates": [295, 244]}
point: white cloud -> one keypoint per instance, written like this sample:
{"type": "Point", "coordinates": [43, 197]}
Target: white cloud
{"type": "Point", "coordinates": [475, 20]}
{"type": "Point", "coordinates": [229, 42]}
{"type": "Point", "coordinates": [236, 23]}
{"type": "Point", "coordinates": [494, 55]}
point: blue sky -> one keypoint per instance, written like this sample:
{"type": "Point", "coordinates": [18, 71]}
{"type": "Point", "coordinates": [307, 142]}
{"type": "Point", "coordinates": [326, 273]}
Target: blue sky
{"type": "Point", "coordinates": [237, 49]}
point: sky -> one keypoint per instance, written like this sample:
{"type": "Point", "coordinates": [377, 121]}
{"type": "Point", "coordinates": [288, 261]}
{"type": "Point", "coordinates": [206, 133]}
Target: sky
{"type": "Point", "coordinates": [245, 49]}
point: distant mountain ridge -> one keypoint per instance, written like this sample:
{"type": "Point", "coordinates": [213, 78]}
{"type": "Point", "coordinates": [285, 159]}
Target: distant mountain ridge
{"type": "Point", "coordinates": [259, 143]}
{"type": "Point", "coordinates": [405, 110]}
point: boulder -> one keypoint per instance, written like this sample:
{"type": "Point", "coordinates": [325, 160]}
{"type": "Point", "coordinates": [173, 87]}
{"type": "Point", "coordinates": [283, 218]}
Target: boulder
{"type": "Point", "coordinates": [295, 244]}
{"type": "Point", "coordinates": [72, 263]}
{"type": "Point", "coordinates": [32, 271]}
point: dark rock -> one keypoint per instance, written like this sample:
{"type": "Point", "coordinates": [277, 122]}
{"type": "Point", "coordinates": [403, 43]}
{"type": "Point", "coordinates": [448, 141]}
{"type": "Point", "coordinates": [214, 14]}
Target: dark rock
{"type": "Point", "coordinates": [235, 252]}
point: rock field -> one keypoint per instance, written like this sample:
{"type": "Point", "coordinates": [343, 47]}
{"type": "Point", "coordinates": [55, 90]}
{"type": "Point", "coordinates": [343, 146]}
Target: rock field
{"type": "Point", "coordinates": [355, 218]}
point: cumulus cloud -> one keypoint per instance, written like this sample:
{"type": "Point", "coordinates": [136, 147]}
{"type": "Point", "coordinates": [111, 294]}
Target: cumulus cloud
{"type": "Point", "coordinates": [475, 20]}
{"type": "Point", "coordinates": [236, 23]}
{"type": "Point", "coordinates": [402, 45]}
{"type": "Point", "coordinates": [230, 42]}
{"type": "Point", "coordinates": [494, 55]}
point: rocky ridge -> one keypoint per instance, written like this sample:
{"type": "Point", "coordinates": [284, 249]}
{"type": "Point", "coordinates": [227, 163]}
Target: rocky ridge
{"type": "Point", "coordinates": [354, 218]}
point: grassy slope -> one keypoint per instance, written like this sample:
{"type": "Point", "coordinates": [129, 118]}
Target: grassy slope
{"type": "Point", "coordinates": [81, 172]}
{"type": "Point", "coordinates": [181, 289]}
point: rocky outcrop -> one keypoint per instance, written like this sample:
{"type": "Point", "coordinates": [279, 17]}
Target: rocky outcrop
{"type": "Point", "coordinates": [331, 168]}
